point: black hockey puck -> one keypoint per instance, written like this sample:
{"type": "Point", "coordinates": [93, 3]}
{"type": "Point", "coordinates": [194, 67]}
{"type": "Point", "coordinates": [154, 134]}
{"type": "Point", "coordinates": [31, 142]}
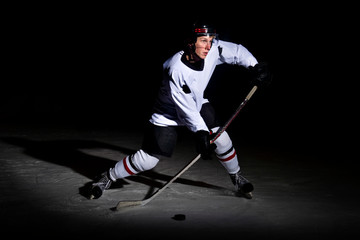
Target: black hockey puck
{"type": "Point", "coordinates": [179, 217]}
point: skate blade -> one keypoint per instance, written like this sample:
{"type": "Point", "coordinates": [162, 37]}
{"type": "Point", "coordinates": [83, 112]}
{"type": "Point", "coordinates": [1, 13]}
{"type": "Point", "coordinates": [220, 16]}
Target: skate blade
{"type": "Point", "coordinates": [95, 193]}
{"type": "Point", "coordinates": [248, 195]}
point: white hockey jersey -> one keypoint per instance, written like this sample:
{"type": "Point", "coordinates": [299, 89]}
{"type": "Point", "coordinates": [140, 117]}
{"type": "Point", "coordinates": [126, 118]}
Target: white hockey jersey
{"type": "Point", "coordinates": [181, 95]}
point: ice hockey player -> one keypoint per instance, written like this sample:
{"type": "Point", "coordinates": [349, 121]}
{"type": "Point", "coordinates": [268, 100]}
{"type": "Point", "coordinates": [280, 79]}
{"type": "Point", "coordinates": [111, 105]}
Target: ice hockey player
{"type": "Point", "coordinates": [180, 102]}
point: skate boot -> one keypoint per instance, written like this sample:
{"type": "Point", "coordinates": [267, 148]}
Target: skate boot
{"type": "Point", "coordinates": [102, 183]}
{"type": "Point", "coordinates": [242, 185]}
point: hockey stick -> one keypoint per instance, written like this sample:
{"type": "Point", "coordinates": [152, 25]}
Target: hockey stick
{"type": "Point", "coordinates": [129, 203]}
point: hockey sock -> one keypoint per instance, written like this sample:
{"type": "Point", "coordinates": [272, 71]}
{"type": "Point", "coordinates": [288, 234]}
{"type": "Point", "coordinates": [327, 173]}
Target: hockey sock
{"type": "Point", "coordinates": [133, 164]}
{"type": "Point", "coordinates": [230, 161]}
{"type": "Point", "coordinates": [226, 153]}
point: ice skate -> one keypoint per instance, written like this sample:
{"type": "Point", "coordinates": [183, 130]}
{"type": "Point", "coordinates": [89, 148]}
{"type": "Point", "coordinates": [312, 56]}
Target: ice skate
{"type": "Point", "coordinates": [102, 183]}
{"type": "Point", "coordinates": [242, 185]}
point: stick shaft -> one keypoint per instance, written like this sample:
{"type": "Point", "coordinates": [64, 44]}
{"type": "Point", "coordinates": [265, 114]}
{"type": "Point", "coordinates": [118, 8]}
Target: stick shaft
{"type": "Point", "coordinates": [242, 104]}
{"type": "Point", "coordinates": [175, 177]}
{"type": "Point", "coordinates": [124, 204]}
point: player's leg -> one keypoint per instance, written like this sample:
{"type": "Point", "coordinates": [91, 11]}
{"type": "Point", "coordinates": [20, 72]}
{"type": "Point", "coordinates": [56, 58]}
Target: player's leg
{"type": "Point", "coordinates": [158, 141]}
{"type": "Point", "coordinates": [226, 152]}
{"type": "Point", "coordinates": [227, 156]}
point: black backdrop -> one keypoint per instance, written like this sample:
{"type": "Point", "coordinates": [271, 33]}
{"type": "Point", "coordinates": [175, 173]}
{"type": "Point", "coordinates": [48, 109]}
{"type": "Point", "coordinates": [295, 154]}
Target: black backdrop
{"type": "Point", "coordinates": [101, 65]}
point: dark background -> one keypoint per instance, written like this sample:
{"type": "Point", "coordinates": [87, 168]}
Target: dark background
{"type": "Point", "coordinates": [93, 66]}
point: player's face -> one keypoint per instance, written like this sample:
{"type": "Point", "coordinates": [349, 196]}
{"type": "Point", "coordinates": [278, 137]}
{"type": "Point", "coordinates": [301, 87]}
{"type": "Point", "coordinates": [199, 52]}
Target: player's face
{"type": "Point", "coordinates": [203, 45]}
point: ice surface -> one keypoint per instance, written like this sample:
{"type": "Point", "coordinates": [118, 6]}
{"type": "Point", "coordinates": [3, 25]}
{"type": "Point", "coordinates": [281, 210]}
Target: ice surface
{"type": "Point", "coordinates": [44, 169]}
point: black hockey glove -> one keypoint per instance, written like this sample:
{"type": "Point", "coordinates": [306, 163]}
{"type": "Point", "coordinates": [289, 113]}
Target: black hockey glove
{"type": "Point", "coordinates": [203, 145]}
{"type": "Point", "coordinates": [261, 75]}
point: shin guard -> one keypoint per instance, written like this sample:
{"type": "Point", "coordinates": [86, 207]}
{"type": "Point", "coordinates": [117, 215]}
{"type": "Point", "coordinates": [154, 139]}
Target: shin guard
{"type": "Point", "coordinates": [226, 152]}
{"type": "Point", "coordinates": [133, 164]}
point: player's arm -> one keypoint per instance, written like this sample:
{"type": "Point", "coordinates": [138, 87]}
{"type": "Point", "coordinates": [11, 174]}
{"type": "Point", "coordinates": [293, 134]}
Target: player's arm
{"type": "Point", "coordinates": [236, 54]}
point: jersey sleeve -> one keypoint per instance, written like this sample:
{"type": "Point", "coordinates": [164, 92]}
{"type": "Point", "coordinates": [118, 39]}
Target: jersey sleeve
{"type": "Point", "coordinates": [186, 106]}
{"type": "Point", "coordinates": [232, 53]}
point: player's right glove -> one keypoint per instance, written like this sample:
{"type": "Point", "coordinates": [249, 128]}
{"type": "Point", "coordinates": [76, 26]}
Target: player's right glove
{"type": "Point", "coordinates": [261, 75]}
{"type": "Point", "coordinates": [203, 145]}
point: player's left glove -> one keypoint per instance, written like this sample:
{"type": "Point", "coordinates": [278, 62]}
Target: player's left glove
{"type": "Point", "coordinates": [261, 75]}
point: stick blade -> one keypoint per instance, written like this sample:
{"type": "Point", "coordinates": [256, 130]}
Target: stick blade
{"type": "Point", "coordinates": [128, 204]}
